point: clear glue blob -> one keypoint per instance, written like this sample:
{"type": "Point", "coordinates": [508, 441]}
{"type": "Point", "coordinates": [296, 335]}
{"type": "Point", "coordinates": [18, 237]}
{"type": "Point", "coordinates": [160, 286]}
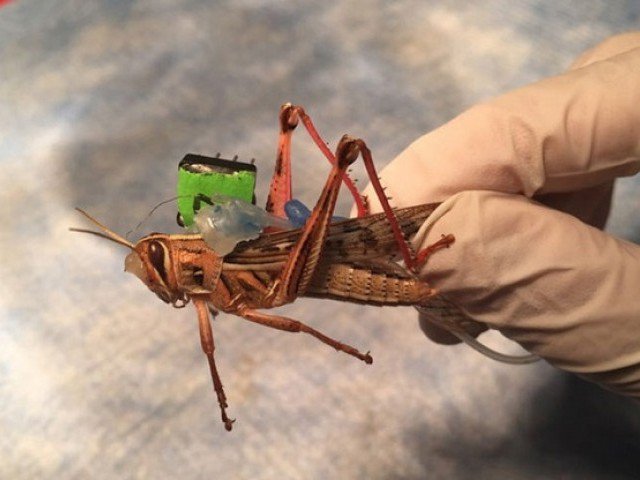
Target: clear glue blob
{"type": "Point", "coordinates": [230, 221]}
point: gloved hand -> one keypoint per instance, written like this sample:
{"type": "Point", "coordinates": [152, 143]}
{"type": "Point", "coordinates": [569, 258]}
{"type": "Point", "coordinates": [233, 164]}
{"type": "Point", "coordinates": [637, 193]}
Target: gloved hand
{"type": "Point", "coordinates": [519, 176]}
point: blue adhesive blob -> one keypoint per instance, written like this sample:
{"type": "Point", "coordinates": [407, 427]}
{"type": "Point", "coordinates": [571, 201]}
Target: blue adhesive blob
{"type": "Point", "coordinates": [298, 213]}
{"type": "Point", "coordinates": [231, 220]}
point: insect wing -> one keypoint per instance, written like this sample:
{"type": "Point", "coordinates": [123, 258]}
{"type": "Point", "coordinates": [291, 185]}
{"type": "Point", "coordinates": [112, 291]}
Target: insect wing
{"type": "Point", "coordinates": [353, 239]}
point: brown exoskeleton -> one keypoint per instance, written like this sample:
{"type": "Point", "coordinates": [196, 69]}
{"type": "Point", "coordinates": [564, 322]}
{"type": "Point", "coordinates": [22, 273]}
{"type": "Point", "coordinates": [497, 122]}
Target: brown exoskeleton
{"type": "Point", "coordinates": [350, 260]}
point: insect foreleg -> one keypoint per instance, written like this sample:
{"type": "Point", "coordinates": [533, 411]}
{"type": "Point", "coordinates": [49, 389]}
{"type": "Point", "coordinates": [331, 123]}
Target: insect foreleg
{"type": "Point", "coordinates": [206, 340]}
{"type": "Point", "coordinates": [290, 325]}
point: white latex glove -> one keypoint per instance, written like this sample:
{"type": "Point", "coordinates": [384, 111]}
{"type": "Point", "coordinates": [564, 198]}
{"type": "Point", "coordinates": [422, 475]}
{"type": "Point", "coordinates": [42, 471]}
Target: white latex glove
{"type": "Point", "coordinates": [564, 290]}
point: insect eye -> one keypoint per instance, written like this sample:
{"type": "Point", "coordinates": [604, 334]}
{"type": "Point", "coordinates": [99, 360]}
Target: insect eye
{"type": "Point", "coordinates": [198, 276]}
{"type": "Point", "coordinates": [157, 258]}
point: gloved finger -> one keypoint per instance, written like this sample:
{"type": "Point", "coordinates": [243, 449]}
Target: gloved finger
{"type": "Point", "coordinates": [592, 205]}
{"type": "Point", "coordinates": [565, 291]}
{"type": "Point", "coordinates": [562, 134]}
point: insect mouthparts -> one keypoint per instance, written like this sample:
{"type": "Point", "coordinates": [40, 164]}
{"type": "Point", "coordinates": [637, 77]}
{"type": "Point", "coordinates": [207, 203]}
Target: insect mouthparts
{"type": "Point", "coordinates": [134, 264]}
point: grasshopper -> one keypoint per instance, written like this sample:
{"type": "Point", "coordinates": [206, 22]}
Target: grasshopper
{"type": "Point", "coordinates": [351, 260]}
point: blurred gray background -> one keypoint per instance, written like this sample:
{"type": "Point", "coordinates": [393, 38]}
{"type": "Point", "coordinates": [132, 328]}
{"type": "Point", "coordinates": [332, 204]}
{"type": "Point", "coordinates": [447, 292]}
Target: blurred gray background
{"type": "Point", "coordinates": [98, 379]}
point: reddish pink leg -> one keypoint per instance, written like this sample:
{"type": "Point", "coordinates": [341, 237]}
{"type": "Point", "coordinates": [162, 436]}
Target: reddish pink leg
{"type": "Point", "coordinates": [426, 252]}
{"type": "Point", "coordinates": [306, 253]}
{"type": "Point", "coordinates": [280, 192]}
{"type": "Point", "coordinates": [413, 262]}
{"type": "Point", "coordinates": [322, 145]}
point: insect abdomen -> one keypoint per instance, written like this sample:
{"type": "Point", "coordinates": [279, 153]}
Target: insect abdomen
{"type": "Point", "coordinates": [351, 283]}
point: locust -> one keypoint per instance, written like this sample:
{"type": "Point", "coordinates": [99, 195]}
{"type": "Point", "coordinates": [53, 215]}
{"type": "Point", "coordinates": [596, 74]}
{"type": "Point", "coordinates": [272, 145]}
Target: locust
{"type": "Point", "coordinates": [354, 260]}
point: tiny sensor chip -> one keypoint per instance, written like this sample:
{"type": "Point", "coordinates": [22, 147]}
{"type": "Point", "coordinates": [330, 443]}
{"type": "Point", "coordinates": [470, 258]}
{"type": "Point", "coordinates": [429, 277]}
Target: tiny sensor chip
{"type": "Point", "coordinates": [200, 176]}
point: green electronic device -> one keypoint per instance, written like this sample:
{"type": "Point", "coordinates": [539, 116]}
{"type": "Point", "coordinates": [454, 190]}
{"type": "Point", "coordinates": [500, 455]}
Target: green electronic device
{"type": "Point", "coordinates": [201, 177]}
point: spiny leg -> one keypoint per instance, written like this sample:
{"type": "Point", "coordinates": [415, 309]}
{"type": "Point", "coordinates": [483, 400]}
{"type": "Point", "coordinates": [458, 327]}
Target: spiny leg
{"type": "Point", "coordinates": [206, 340]}
{"type": "Point", "coordinates": [290, 325]}
{"type": "Point", "coordinates": [413, 262]}
{"type": "Point", "coordinates": [289, 116]}
{"type": "Point", "coordinates": [305, 254]}
{"type": "Point", "coordinates": [322, 145]}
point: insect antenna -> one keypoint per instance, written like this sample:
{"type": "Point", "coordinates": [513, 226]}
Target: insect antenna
{"type": "Point", "coordinates": [105, 233]}
{"type": "Point", "coordinates": [153, 210]}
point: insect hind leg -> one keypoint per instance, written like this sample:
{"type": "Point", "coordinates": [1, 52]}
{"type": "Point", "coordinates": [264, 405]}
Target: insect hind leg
{"type": "Point", "coordinates": [412, 261]}
{"type": "Point", "coordinates": [305, 255]}
{"type": "Point", "coordinates": [280, 191]}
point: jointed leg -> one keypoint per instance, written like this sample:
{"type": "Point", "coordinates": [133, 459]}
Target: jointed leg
{"type": "Point", "coordinates": [426, 252]}
{"type": "Point", "coordinates": [280, 192]}
{"type": "Point", "coordinates": [322, 145]}
{"type": "Point", "coordinates": [412, 262]}
{"type": "Point", "coordinates": [290, 325]}
{"type": "Point", "coordinates": [305, 254]}
{"type": "Point", "coordinates": [297, 274]}
{"type": "Point", "coordinates": [206, 340]}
